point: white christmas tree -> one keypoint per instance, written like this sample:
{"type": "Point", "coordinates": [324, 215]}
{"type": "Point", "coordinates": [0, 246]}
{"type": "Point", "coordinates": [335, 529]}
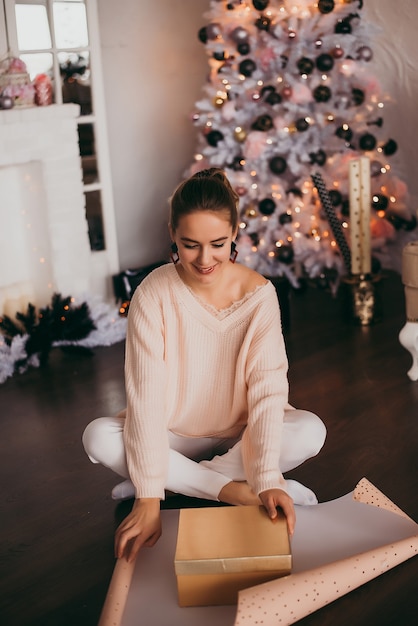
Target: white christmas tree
{"type": "Point", "coordinates": [290, 94]}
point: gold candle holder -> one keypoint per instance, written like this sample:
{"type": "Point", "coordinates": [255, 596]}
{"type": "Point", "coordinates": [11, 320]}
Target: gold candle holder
{"type": "Point", "coordinates": [364, 304]}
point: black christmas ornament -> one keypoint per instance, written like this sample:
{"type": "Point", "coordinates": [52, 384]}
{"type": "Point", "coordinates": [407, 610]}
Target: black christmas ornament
{"type": "Point", "coordinates": [254, 238]}
{"type": "Point", "coordinates": [278, 164]}
{"type": "Point", "coordinates": [238, 163]}
{"type": "Point", "coordinates": [390, 147]}
{"type": "Point", "coordinates": [343, 27]}
{"type": "Point", "coordinates": [322, 93]}
{"type": "Point", "coordinates": [202, 34]}
{"type": "Point", "coordinates": [273, 98]}
{"type": "Point", "coordinates": [285, 218]}
{"type": "Point", "coordinates": [214, 137]}
{"type": "Point", "coordinates": [358, 96]}
{"type": "Point", "coordinates": [264, 123]}
{"type": "Point", "coordinates": [380, 202]}
{"type": "Point", "coordinates": [326, 6]}
{"type": "Point", "coordinates": [335, 197]}
{"type": "Point", "coordinates": [284, 254]}
{"type": "Point", "coordinates": [267, 89]}
{"type": "Point", "coordinates": [318, 157]}
{"type": "Point", "coordinates": [263, 22]}
{"type": "Point", "coordinates": [247, 67]}
{"type": "Point", "coordinates": [244, 48]}
{"type": "Point", "coordinates": [260, 5]}
{"type": "Point", "coordinates": [219, 55]}
{"type": "Point", "coordinates": [367, 142]}
{"type": "Point", "coordinates": [305, 65]}
{"type": "Point", "coordinates": [401, 224]}
{"type": "Point", "coordinates": [377, 122]}
{"type": "Point", "coordinates": [325, 62]}
{"type": "Point", "coordinates": [345, 208]}
{"type": "Point", "coordinates": [266, 206]}
{"type": "Point", "coordinates": [344, 132]}
{"type": "Point", "coordinates": [302, 124]}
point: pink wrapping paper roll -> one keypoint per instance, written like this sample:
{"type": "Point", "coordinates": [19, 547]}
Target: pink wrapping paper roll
{"type": "Point", "coordinates": [410, 279]}
{"type": "Point", "coordinates": [298, 595]}
{"type": "Point", "coordinates": [287, 600]}
{"type": "Point", "coordinates": [117, 594]}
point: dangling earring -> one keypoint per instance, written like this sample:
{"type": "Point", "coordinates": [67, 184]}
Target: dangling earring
{"type": "Point", "coordinates": [234, 252]}
{"type": "Point", "coordinates": [174, 253]}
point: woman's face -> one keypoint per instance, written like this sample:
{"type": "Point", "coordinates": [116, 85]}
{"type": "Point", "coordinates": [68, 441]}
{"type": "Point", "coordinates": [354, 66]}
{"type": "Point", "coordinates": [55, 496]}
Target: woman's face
{"type": "Point", "coordinates": [204, 241]}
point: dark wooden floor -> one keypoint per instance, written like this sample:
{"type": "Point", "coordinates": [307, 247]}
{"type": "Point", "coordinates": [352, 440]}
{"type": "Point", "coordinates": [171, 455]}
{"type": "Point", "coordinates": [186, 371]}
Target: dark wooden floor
{"type": "Point", "coordinates": [56, 516]}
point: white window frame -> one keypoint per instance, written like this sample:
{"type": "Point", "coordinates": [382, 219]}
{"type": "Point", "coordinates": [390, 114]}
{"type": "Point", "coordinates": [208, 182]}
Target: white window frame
{"type": "Point", "coordinates": [105, 262]}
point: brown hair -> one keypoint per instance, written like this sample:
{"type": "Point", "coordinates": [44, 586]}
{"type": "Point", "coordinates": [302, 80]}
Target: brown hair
{"type": "Point", "coordinates": [207, 190]}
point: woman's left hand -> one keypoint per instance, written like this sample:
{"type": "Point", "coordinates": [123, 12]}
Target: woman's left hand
{"type": "Point", "coordinates": [272, 498]}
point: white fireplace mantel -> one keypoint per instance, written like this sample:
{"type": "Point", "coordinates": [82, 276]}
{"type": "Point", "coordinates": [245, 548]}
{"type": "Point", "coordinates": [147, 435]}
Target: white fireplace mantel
{"type": "Point", "coordinates": [44, 243]}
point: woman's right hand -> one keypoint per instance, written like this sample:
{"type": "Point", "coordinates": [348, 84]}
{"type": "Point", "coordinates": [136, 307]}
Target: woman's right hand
{"type": "Point", "coordinates": [142, 527]}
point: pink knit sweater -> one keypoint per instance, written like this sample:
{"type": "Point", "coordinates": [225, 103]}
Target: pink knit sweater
{"type": "Point", "coordinates": [198, 374]}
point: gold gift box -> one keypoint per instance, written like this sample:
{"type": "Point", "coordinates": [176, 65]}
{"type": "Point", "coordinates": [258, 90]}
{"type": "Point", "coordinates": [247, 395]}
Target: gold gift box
{"type": "Point", "coordinates": [222, 550]}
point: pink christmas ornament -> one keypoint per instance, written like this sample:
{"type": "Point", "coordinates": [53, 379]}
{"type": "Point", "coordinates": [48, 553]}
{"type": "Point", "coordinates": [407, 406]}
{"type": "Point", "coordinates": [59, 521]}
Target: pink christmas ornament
{"type": "Point", "coordinates": [255, 144]}
{"type": "Point", "coordinates": [301, 94]}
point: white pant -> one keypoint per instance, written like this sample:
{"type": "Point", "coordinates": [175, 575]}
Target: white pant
{"type": "Point", "coordinates": [201, 467]}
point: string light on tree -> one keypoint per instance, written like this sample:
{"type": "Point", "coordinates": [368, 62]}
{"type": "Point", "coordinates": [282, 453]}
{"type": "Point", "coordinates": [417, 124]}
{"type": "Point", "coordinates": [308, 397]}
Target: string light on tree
{"type": "Point", "coordinates": [291, 95]}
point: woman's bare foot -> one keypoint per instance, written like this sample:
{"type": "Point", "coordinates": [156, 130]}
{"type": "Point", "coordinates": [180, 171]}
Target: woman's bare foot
{"type": "Point", "coordinates": [238, 493]}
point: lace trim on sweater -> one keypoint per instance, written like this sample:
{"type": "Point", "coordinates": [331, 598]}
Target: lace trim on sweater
{"type": "Point", "coordinates": [221, 314]}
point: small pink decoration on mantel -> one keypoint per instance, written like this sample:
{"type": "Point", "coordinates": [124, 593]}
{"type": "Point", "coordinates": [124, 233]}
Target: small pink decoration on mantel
{"type": "Point", "coordinates": [43, 90]}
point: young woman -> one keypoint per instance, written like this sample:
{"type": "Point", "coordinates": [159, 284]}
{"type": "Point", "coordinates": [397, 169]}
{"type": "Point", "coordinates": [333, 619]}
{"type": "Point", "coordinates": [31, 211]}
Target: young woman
{"type": "Point", "coordinates": [206, 379]}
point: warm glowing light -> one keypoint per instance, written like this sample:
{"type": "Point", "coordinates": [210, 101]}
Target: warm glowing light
{"type": "Point", "coordinates": [392, 199]}
{"type": "Point", "coordinates": [243, 225]}
{"type": "Point", "coordinates": [381, 214]}
{"type": "Point", "coordinates": [198, 157]}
